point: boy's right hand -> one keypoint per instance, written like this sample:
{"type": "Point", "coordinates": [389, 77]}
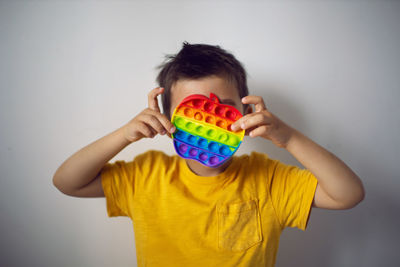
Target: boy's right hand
{"type": "Point", "coordinates": [150, 121]}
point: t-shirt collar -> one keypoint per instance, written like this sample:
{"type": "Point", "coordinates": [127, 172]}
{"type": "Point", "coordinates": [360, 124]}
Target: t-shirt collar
{"type": "Point", "coordinates": [189, 174]}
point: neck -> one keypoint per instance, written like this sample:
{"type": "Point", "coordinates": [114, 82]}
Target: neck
{"type": "Point", "coordinates": [202, 170]}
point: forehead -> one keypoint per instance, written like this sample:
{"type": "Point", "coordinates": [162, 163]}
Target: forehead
{"type": "Point", "coordinates": [221, 87]}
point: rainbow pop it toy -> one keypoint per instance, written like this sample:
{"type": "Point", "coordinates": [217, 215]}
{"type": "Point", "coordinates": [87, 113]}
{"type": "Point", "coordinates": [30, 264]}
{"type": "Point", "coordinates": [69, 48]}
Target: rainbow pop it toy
{"type": "Point", "coordinates": [203, 130]}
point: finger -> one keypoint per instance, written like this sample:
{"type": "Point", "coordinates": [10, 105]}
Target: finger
{"type": "Point", "coordinates": [153, 121]}
{"type": "Point", "coordinates": [247, 131]}
{"type": "Point", "coordinates": [167, 124]}
{"type": "Point", "coordinates": [258, 102]}
{"type": "Point", "coordinates": [259, 131]}
{"type": "Point", "coordinates": [145, 130]}
{"type": "Point", "coordinates": [152, 98]}
{"type": "Point", "coordinates": [237, 124]}
{"type": "Point", "coordinates": [256, 120]}
{"type": "Point", "coordinates": [152, 131]}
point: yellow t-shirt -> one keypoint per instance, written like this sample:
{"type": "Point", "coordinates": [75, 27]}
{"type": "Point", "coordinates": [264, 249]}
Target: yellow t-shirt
{"type": "Point", "coordinates": [232, 219]}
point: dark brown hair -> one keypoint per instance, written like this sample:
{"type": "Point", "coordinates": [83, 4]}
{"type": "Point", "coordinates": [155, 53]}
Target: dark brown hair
{"type": "Point", "coordinates": [196, 61]}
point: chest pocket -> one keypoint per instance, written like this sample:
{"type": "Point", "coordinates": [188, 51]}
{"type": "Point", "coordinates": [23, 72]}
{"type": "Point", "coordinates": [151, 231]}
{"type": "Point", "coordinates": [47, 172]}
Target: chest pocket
{"type": "Point", "coordinates": [238, 226]}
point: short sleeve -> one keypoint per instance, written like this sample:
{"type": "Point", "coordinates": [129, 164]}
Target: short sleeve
{"type": "Point", "coordinates": [118, 186]}
{"type": "Point", "coordinates": [292, 192]}
{"type": "Point", "coordinates": [123, 181]}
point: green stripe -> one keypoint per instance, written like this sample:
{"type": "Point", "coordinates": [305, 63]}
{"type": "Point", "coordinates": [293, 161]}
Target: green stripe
{"type": "Point", "coordinates": [206, 131]}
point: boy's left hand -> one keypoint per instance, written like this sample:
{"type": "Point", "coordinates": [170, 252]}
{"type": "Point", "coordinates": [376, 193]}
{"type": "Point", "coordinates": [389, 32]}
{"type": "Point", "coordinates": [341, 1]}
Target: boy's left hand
{"type": "Point", "coordinates": [263, 123]}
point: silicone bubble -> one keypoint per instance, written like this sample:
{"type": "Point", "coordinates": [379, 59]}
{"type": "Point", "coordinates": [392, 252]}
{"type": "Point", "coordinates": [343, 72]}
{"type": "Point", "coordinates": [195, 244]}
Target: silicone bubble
{"type": "Point", "coordinates": [198, 116]}
{"type": "Point", "coordinates": [199, 129]}
{"type": "Point", "coordinates": [197, 103]}
{"type": "Point", "coordinates": [203, 130]}
{"type": "Point", "coordinates": [223, 137]}
{"type": "Point", "coordinates": [203, 142]}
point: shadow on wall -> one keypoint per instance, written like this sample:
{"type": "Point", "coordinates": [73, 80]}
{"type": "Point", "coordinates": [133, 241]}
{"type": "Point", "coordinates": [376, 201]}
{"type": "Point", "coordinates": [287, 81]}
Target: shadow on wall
{"type": "Point", "coordinates": [366, 235]}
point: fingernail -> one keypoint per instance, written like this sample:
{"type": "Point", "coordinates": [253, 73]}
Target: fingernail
{"type": "Point", "coordinates": [172, 130]}
{"type": "Point", "coordinates": [233, 127]}
{"type": "Point", "coordinates": [242, 125]}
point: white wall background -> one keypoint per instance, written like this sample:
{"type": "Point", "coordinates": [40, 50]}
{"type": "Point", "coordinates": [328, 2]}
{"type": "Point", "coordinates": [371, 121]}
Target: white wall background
{"type": "Point", "coordinates": [71, 72]}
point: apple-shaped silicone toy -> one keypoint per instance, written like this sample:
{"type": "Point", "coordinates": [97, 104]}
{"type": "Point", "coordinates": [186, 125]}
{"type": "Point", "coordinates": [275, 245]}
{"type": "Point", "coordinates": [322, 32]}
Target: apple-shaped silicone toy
{"type": "Point", "coordinates": [203, 130]}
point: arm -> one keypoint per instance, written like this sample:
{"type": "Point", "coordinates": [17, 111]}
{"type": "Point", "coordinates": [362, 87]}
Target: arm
{"type": "Point", "coordinates": [79, 175]}
{"type": "Point", "coordinates": [338, 186]}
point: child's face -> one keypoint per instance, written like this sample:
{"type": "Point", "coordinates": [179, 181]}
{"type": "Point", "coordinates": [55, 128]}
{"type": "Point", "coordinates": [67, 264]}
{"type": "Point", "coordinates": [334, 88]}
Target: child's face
{"type": "Point", "coordinates": [223, 89]}
{"type": "Point", "coordinates": [226, 93]}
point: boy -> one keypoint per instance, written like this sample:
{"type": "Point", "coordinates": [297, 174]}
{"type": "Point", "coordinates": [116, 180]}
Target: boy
{"type": "Point", "coordinates": [187, 214]}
